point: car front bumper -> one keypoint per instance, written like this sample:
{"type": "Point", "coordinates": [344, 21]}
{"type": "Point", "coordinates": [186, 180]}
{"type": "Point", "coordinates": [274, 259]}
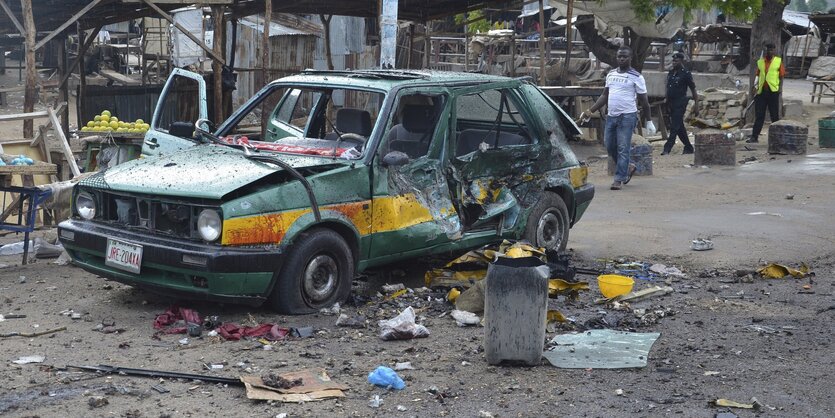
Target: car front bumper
{"type": "Point", "coordinates": [175, 266]}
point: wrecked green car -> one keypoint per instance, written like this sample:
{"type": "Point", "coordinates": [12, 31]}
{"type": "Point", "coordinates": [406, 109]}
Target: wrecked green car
{"type": "Point", "coordinates": [325, 174]}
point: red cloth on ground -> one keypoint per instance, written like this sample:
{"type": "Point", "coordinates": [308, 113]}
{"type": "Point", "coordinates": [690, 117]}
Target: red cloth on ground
{"type": "Point", "coordinates": [174, 314]}
{"type": "Point", "coordinates": [235, 332]}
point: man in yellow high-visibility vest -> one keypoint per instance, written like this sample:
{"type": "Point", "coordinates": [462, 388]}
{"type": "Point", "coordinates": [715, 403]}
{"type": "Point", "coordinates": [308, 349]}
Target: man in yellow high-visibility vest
{"type": "Point", "coordinates": [770, 73]}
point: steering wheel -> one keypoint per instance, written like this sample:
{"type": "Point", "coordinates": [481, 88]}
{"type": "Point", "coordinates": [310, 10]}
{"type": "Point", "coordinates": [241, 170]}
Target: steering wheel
{"type": "Point", "coordinates": [198, 128]}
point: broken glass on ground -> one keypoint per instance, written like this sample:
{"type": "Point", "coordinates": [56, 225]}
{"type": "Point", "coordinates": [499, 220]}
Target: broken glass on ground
{"type": "Point", "coordinates": [600, 349]}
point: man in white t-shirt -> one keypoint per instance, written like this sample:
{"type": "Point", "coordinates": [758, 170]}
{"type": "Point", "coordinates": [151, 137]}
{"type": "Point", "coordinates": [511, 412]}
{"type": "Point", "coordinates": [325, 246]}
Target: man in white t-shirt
{"type": "Point", "coordinates": [624, 87]}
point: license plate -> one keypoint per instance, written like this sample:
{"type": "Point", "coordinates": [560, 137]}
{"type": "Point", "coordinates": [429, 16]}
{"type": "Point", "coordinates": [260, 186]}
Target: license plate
{"type": "Point", "coordinates": [123, 255]}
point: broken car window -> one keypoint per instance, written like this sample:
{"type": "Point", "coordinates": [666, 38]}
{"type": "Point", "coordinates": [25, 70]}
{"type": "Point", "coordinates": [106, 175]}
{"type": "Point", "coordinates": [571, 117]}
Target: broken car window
{"type": "Point", "coordinates": [412, 125]}
{"type": "Point", "coordinates": [310, 120]}
{"type": "Point", "coordinates": [181, 103]}
{"type": "Point", "coordinates": [491, 118]}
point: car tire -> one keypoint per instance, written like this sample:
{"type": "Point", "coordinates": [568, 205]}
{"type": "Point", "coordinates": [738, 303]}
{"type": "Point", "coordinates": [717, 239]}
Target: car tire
{"type": "Point", "coordinates": [317, 273]}
{"type": "Point", "coordinates": [548, 223]}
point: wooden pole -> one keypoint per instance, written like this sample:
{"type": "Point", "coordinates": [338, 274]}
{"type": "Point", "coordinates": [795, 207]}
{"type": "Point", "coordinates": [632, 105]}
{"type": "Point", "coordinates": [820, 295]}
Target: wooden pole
{"type": "Point", "coordinates": [805, 47]}
{"type": "Point", "coordinates": [326, 23]}
{"type": "Point", "coordinates": [541, 43]}
{"type": "Point", "coordinates": [265, 40]}
{"type": "Point", "coordinates": [31, 72]}
{"type": "Point", "coordinates": [568, 33]}
{"type": "Point", "coordinates": [265, 60]}
{"type": "Point", "coordinates": [411, 45]}
{"type": "Point", "coordinates": [217, 67]}
{"type": "Point", "coordinates": [427, 45]}
{"type": "Point", "coordinates": [82, 79]}
{"type": "Point", "coordinates": [63, 94]}
{"type": "Point", "coordinates": [185, 32]}
{"type": "Point", "coordinates": [79, 60]}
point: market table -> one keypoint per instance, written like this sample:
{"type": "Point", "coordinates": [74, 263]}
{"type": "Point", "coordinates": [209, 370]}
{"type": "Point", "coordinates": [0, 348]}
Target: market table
{"type": "Point", "coordinates": [25, 199]}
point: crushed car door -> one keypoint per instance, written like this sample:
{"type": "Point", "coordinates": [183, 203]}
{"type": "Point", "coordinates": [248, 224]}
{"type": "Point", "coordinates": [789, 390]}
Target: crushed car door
{"type": "Point", "coordinates": [494, 153]}
{"type": "Point", "coordinates": [181, 104]}
{"type": "Point", "coordinates": [412, 210]}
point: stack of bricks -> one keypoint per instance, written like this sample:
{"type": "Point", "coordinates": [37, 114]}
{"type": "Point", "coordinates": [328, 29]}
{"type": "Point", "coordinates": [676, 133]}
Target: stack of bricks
{"type": "Point", "coordinates": [718, 108]}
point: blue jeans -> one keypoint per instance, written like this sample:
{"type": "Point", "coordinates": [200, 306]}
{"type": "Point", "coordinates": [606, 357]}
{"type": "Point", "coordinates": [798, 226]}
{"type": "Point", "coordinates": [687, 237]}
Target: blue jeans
{"type": "Point", "coordinates": [618, 140]}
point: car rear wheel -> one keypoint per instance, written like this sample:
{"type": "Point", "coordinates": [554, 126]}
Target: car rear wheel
{"type": "Point", "coordinates": [317, 273]}
{"type": "Point", "coordinates": [548, 223]}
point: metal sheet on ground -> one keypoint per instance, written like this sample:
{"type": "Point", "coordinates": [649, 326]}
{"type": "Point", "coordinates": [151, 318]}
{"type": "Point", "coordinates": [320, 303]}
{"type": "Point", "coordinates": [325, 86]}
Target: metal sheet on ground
{"type": "Point", "coordinates": [600, 349]}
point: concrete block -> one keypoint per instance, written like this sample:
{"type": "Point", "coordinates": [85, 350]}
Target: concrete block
{"type": "Point", "coordinates": [792, 108]}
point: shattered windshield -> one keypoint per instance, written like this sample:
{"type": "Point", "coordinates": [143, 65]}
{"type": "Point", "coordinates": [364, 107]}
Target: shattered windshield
{"type": "Point", "coordinates": [308, 120]}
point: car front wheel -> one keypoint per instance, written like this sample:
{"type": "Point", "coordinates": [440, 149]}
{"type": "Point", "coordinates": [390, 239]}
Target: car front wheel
{"type": "Point", "coordinates": [317, 273]}
{"type": "Point", "coordinates": [548, 223]}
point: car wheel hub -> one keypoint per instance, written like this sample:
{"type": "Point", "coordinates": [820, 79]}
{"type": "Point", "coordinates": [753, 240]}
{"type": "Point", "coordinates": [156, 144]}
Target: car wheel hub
{"type": "Point", "coordinates": [548, 231]}
{"type": "Point", "coordinates": [320, 278]}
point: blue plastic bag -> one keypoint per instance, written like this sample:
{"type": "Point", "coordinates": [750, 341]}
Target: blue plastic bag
{"type": "Point", "coordinates": [386, 377]}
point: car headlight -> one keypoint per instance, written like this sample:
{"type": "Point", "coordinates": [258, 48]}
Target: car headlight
{"type": "Point", "coordinates": [209, 224]}
{"type": "Point", "coordinates": [85, 205]}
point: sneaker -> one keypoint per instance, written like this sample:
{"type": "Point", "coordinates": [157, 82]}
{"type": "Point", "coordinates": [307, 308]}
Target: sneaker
{"type": "Point", "coordinates": [665, 152]}
{"type": "Point", "coordinates": [616, 185]}
{"type": "Point", "coordinates": [752, 140]}
{"type": "Point", "coordinates": [687, 150]}
{"type": "Point", "coordinates": [629, 173]}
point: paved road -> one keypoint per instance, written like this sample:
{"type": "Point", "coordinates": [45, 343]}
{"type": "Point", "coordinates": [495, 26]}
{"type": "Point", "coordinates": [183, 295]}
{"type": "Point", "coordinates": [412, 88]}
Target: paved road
{"type": "Point", "coordinates": [661, 214]}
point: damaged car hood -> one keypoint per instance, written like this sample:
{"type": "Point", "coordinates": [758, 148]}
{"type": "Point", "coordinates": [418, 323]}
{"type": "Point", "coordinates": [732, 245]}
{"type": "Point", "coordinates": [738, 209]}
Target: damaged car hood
{"type": "Point", "coordinates": [204, 171]}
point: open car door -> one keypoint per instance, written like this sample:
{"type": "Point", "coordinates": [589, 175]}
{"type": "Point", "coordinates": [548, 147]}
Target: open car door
{"type": "Point", "coordinates": [181, 103]}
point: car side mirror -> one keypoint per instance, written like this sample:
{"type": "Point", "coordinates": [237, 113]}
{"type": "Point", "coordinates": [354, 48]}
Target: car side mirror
{"type": "Point", "coordinates": [395, 159]}
{"type": "Point", "coordinates": [182, 129]}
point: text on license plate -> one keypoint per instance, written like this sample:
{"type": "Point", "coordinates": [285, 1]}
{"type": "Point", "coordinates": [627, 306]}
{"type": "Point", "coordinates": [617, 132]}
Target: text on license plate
{"type": "Point", "coordinates": [123, 255]}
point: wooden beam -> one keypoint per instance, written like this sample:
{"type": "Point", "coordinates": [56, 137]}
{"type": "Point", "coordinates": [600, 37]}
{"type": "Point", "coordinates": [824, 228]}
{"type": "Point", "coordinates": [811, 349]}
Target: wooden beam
{"type": "Point", "coordinates": [56, 126]}
{"type": "Point", "coordinates": [63, 94]}
{"type": "Point", "coordinates": [23, 116]}
{"type": "Point", "coordinates": [67, 23]}
{"type": "Point", "coordinates": [326, 24]}
{"type": "Point", "coordinates": [80, 58]}
{"type": "Point", "coordinates": [29, 96]}
{"type": "Point", "coordinates": [13, 18]}
{"type": "Point", "coordinates": [186, 2]}
{"type": "Point", "coordinates": [185, 32]}
{"type": "Point", "coordinates": [265, 60]}
{"type": "Point", "coordinates": [569, 29]}
{"type": "Point", "coordinates": [217, 68]}
{"type": "Point", "coordinates": [118, 78]}
{"type": "Point", "coordinates": [541, 44]}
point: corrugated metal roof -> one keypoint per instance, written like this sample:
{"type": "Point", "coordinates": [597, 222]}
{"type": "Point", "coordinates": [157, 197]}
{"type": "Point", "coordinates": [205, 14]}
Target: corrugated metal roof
{"type": "Point", "coordinates": [276, 29]}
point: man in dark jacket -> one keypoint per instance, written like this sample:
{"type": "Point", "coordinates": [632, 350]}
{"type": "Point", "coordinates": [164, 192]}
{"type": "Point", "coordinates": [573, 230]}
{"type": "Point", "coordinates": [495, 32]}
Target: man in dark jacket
{"type": "Point", "coordinates": [678, 81]}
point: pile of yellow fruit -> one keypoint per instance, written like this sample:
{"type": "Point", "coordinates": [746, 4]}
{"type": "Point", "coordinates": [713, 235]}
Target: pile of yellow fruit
{"type": "Point", "coordinates": [105, 122]}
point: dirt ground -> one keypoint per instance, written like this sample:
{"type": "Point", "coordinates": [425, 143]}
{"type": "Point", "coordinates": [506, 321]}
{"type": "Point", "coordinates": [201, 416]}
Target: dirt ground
{"type": "Point", "coordinates": [724, 333]}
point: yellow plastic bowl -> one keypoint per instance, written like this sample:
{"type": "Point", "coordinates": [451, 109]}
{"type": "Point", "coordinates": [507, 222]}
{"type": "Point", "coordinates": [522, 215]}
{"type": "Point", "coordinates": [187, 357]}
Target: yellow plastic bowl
{"type": "Point", "coordinates": [613, 285]}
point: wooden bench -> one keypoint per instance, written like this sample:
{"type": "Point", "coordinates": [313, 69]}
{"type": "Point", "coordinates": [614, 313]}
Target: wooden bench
{"type": "Point", "coordinates": [822, 88]}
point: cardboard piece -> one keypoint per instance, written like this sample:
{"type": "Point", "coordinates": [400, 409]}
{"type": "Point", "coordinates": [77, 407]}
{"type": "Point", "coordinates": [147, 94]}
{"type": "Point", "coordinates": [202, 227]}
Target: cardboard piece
{"type": "Point", "coordinates": [316, 385]}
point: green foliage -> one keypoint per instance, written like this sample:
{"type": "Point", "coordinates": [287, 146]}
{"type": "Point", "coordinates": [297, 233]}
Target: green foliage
{"type": "Point", "coordinates": [481, 25]}
{"type": "Point", "coordinates": [743, 9]}
{"type": "Point", "coordinates": [817, 5]}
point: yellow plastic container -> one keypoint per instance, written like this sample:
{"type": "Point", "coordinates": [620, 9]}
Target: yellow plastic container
{"type": "Point", "coordinates": [613, 285]}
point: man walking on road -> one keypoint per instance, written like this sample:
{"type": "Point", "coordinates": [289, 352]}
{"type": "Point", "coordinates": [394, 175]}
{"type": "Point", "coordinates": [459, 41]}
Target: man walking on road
{"type": "Point", "coordinates": [623, 86]}
{"type": "Point", "coordinates": [770, 73]}
{"type": "Point", "coordinates": [678, 80]}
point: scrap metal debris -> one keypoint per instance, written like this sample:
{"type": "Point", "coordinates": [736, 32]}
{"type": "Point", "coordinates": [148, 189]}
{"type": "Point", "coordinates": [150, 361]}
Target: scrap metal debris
{"type": "Point", "coordinates": [32, 334]}
{"type": "Point", "coordinates": [779, 271]}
